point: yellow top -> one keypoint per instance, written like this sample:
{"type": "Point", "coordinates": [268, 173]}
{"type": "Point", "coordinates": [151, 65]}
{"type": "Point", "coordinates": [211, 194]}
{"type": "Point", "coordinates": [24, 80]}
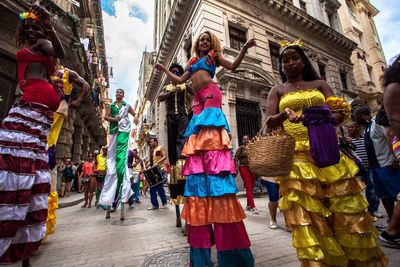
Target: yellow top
{"type": "Point", "coordinates": [101, 162]}
{"type": "Point", "coordinates": [157, 155]}
{"type": "Point", "coordinates": [297, 101]}
{"type": "Point", "coordinates": [65, 77]}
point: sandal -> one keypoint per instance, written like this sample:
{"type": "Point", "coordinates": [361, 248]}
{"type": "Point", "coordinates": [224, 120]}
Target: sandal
{"type": "Point", "coordinates": [84, 205]}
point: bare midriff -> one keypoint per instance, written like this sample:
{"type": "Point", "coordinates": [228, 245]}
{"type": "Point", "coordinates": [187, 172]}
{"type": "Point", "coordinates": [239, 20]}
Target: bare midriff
{"type": "Point", "coordinates": [200, 79]}
{"type": "Point", "coordinates": [36, 70]}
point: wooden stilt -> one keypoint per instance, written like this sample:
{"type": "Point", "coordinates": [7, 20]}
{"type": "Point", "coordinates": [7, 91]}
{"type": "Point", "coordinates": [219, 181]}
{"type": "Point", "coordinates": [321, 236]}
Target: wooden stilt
{"type": "Point", "coordinates": [108, 212]}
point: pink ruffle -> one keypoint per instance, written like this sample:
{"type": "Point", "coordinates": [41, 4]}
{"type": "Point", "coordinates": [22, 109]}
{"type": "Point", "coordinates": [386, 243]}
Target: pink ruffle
{"type": "Point", "coordinates": [200, 236]}
{"type": "Point", "coordinates": [210, 162]}
{"type": "Point", "coordinates": [229, 236]}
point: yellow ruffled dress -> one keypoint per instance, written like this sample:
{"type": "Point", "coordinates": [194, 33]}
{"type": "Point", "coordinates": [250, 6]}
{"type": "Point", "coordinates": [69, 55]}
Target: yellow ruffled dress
{"type": "Point", "coordinates": [324, 206]}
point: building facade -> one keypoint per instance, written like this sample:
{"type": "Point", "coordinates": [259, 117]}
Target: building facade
{"type": "Point", "coordinates": [357, 20]}
{"type": "Point", "coordinates": [79, 27]}
{"type": "Point", "coordinates": [245, 91]}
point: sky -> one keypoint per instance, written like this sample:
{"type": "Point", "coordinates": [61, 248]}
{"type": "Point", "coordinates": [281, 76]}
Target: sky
{"type": "Point", "coordinates": [128, 30]}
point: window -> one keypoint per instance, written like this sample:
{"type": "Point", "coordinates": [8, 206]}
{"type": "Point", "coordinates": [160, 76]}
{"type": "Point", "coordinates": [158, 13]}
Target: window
{"type": "Point", "coordinates": [360, 41]}
{"type": "Point", "coordinates": [322, 71]}
{"type": "Point", "coordinates": [303, 6]}
{"type": "Point", "coordinates": [189, 51]}
{"type": "Point", "coordinates": [274, 51]}
{"type": "Point", "coordinates": [343, 78]}
{"type": "Point", "coordinates": [237, 38]}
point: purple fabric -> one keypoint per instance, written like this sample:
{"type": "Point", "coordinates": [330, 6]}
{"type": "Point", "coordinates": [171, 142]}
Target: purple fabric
{"type": "Point", "coordinates": [324, 147]}
{"type": "Point", "coordinates": [230, 236]}
{"type": "Point", "coordinates": [130, 159]}
{"type": "Point", "coordinates": [207, 163]}
{"type": "Point", "coordinates": [52, 157]}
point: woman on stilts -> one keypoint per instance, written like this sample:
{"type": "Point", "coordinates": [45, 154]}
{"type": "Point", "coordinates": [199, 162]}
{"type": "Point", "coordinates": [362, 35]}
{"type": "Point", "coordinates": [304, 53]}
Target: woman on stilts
{"type": "Point", "coordinates": [24, 171]}
{"type": "Point", "coordinates": [210, 187]}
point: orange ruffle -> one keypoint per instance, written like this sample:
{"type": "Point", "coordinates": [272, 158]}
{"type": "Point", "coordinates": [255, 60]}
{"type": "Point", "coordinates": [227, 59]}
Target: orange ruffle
{"type": "Point", "coordinates": [208, 138]}
{"type": "Point", "coordinates": [199, 211]}
{"type": "Point", "coordinates": [344, 187]}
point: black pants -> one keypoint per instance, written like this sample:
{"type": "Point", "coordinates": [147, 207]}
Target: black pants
{"type": "Point", "coordinates": [176, 140]}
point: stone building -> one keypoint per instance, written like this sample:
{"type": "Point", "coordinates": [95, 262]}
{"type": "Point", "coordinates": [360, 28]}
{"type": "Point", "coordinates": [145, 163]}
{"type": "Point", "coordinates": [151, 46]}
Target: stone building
{"type": "Point", "coordinates": [357, 19]}
{"type": "Point", "coordinates": [84, 130]}
{"type": "Point", "coordinates": [178, 22]}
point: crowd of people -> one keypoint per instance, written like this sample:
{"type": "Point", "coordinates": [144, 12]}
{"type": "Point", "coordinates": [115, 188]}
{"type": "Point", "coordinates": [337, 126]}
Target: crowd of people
{"type": "Point", "coordinates": [334, 159]}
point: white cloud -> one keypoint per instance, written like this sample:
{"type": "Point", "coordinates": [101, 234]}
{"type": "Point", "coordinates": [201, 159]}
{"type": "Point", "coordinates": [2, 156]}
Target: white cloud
{"type": "Point", "coordinates": [387, 24]}
{"type": "Point", "coordinates": [126, 38]}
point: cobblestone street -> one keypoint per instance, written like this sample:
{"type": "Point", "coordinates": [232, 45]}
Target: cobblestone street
{"type": "Point", "coordinates": [149, 238]}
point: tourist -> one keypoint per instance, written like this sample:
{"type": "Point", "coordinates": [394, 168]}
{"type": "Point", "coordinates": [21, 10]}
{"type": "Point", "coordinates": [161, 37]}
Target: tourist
{"type": "Point", "coordinates": [89, 180]}
{"type": "Point", "coordinates": [249, 178]}
{"type": "Point", "coordinates": [135, 167]}
{"type": "Point", "coordinates": [354, 133]}
{"type": "Point", "coordinates": [24, 171]}
{"type": "Point", "coordinates": [210, 186]}
{"type": "Point", "coordinates": [391, 101]}
{"type": "Point", "coordinates": [273, 195]}
{"type": "Point", "coordinates": [322, 182]}
{"type": "Point", "coordinates": [67, 177]}
{"type": "Point", "coordinates": [101, 166]}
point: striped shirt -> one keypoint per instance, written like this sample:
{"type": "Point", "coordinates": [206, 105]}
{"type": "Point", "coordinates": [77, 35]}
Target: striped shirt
{"type": "Point", "coordinates": [360, 151]}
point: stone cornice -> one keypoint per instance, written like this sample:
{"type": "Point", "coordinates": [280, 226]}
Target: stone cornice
{"type": "Point", "coordinates": [370, 9]}
{"type": "Point", "coordinates": [289, 14]}
{"type": "Point", "coordinates": [180, 15]}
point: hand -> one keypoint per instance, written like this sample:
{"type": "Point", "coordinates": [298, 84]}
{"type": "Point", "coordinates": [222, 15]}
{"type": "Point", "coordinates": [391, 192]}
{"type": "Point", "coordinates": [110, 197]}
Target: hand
{"type": "Point", "coordinates": [159, 67]}
{"type": "Point", "coordinates": [118, 118]}
{"type": "Point", "coordinates": [75, 104]}
{"type": "Point", "coordinates": [250, 43]}
{"type": "Point", "coordinates": [292, 116]}
{"type": "Point", "coordinates": [348, 139]}
{"type": "Point", "coordinates": [42, 14]}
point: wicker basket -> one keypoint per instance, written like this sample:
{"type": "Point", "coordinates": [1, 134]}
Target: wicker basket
{"type": "Point", "coordinates": [271, 154]}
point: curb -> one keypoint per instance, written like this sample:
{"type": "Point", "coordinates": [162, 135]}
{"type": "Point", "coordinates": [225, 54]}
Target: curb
{"type": "Point", "coordinates": [70, 204]}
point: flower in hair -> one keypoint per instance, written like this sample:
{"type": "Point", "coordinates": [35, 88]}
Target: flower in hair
{"type": "Point", "coordinates": [286, 43]}
{"type": "Point", "coordinates": [28, 15]}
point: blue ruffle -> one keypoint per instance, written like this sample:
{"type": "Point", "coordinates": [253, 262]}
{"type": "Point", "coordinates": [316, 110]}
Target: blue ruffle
{"type": "Point", "coordinates": [208, 117]}
{"type": "Point", "coordinates": [201, 185]}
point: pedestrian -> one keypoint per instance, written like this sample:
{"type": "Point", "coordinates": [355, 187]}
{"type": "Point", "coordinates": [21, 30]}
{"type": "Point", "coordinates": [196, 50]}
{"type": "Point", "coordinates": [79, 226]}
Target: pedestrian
{"type": "Point", "coordinates": [273, 195]}
{"type": "Point", "coordinates": [384, 166]}
{"type": "Point", "coordinates": [135, 167]}
{"type": "Point", "coordinates": [391, 102]}
{"type": "Point", "coordinates": [353, 130]}
{"type": "Point", "coordinates": [145, 184]}
{"type": "Point", "coordinates": [117, 186]}
{"type": "Point", "coordinates": [158, 155]}
{"type": "Point", "coordinates": [89, 180]}
{"type": "Point", "coordinates": [24, 170]}
{"type": "Point", "coordinates": [210, 186]}
{"type": "Point", "coordinates": [67, 177]}
{"type": "Point", "coordinates": [101, 166]}
{"type": "Point", "coordinates": [322, 182]}
{"type": "Point", "coordinates": [177, 120]}
{"type": "Point", "coordinates": [79, 172]}
{"type": "Point", "coordinates": [248, 177]}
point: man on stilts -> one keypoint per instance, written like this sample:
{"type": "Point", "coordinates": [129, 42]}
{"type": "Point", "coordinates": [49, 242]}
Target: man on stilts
{"type": "Point", "coordinates": [117, 186]}
{"type": "Point", "coordinates": [177, 119]}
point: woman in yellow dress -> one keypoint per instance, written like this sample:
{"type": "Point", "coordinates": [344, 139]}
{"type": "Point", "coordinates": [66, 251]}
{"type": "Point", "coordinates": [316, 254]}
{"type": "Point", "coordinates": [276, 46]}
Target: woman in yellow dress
{"type": "Point", "coordinates": [323, 205]}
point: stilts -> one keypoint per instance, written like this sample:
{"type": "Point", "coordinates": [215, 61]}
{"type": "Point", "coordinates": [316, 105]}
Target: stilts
{"type": "Point", "coordinates": [122, 217]}
{"type": "Point", "coordinates": [108, 212]}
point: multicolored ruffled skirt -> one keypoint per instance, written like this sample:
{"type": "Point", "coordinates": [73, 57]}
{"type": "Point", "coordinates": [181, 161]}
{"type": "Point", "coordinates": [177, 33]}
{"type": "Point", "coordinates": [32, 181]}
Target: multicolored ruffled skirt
{"type": "Point", "coordinates": [210, 187]}
{"type": "Point", "coordinates": [326, 211]}
{"type": "Point", "coordinates": [24, 180]}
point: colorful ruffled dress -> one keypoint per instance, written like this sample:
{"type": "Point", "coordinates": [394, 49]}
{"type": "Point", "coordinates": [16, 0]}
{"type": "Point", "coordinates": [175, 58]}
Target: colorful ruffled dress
{"type": "Point", "coordinates": [324, 206]}
{"type": "Point", "coordinates": [210, 187]}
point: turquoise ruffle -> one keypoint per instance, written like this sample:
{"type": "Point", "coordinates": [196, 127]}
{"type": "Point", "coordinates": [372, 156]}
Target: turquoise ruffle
{"type": "Point", "coordinates": [201, 185]}
{"type": "Point", "coordinates": [208, 117]}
